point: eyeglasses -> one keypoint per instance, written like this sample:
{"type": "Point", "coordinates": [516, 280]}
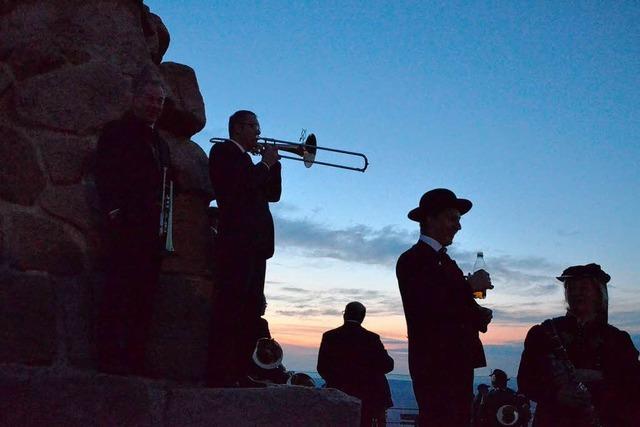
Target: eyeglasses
{"type": "Point", "coordinates": [253, 125]}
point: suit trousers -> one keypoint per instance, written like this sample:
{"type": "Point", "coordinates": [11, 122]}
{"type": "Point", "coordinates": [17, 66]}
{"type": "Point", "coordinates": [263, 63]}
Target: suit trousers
{"type": "Point", "coordinates": [445, 400]}
{"type": "Point", "coordinates": [237, 305]}
{"type": "Point", "coordinates": [127, 304]}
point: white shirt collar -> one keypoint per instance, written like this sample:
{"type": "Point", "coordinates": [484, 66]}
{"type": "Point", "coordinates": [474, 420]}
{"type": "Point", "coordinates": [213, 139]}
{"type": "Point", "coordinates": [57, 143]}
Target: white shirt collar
{"type": "Point", "coordinates": [431, 242]}
{"type": "Point", "coordinates": [238, 145]}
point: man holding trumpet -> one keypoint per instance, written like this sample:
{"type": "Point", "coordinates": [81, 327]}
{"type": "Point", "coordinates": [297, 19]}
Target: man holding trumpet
{"type": "Point", "coordinates": [244, 242]}
{"type": "Point", "coordinates": [132, 161]}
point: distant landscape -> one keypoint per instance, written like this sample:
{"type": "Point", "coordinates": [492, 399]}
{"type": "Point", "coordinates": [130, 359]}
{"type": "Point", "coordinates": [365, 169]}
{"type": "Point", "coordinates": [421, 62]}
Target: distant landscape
{"type": "Point", "coordinates": [402, 390]}
{"type": "Point", "coordinates": [404, 401]}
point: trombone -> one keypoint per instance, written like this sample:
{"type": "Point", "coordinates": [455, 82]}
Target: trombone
{"type": "Point", "coordinates": [307, 151]}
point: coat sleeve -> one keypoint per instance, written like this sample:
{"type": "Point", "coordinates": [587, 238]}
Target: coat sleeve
{"type": "Point", "coordinates": [535, 373]}
{"type": "Point", "coordinates": [231, 174]}
{"type": "Point", "coordinates": [110, 179]}
{"type": "Point", "coordinates": [623, 367]}
{"type": "Point", "coordinates": [326, 361]}
{"type": "Point", "coordinates": [274, 183]}
{"type": "Point", "coordinates": [427, 299]}
{"type": "Point", "coordinates": [382, 363]}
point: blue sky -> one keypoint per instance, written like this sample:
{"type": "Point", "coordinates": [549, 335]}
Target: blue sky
{"type": "Point", "coordinates": [529, 110]}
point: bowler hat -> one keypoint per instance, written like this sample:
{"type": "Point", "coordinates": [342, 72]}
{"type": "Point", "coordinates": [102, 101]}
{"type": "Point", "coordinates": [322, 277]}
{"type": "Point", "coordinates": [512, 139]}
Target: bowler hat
{"type": "Point", "coordinates": [435, 201]}
{"type": "Point", "coordinates": [582, 271]}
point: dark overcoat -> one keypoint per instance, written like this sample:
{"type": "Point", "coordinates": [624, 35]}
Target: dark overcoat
{"type": "Point", "coordinates": [129, 161]}
{"type": "Point", "coordinates": [443, 321]}
{"type": "Point", "coordinates": [442, 317]}
{"type": "Point", "coordinates": [129, 171]}
{"type": "Point", "coordinates": [354, 360]}
{"type": "Point", "coordinates": [243, 192]}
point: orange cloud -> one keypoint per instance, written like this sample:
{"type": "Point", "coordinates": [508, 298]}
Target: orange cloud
{"type": "Point", "coordinates": [308, 332]}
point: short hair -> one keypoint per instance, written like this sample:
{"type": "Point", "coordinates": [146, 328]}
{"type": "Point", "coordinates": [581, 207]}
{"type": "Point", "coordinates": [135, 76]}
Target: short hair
{"type": "Point", "coordinates": [355, 311]}
{"type": "Point", "coordinates": [237, 117]}
{"type": "Point", "coordinates": [149, 75]}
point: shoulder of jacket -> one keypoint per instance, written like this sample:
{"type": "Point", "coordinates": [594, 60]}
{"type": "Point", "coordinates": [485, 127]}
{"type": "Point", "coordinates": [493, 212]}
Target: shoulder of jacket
{"type": "Point", "coordinates": [371, 334]}
{"type": "Point", "coordinates": [535, 330]}
{"type": "Point", "coordinates": [408, 255]}
{"type": "Point", "coordinates": [225, 148]}
{"type": "Point", "coordinates": [330, 333]}
{"type": "Point", "coordinates": [616, 333]}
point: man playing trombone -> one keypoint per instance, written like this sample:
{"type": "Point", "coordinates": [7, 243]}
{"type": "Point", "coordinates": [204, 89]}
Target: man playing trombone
{"type": "Point", "coordinates": [244, 242]}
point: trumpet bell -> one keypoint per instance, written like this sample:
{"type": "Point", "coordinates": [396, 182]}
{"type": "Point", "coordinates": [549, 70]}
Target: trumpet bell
{"type": "Point", "coordinates": [310, 150]}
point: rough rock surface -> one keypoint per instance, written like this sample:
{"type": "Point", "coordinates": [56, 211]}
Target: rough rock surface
{"type": "Point", "coordinates": [27, 319]}
{"type": "Point", "coordinates": [183, 113]}
{"type": "Point", "coordinates": [38, 398]}
{"type": "Point", "coordinates": [6, 77]}
{"type": "Point", "coordinates": [37, 243]}
{"type": "Point", "coordinates": [191, 165]}
{"type": "Point", "coordinates": [21, 177]}
{"type": "Point", "coordinates": [66, 68]}
{"type": "Point", "coordinates": [77, 205]}
{"type": "Point", "coordinates": [67, 158]}
{"type": "Point", "coordinates": [98, 90]}
{"type": "Point", "coordinates": [192, 238]}
{"type": "Point", "coordinates": [35, 396]}
{"type": "Point", "coordinates": [274, 406]}
{"type": "Point", "coordinates": [178, 349]}
{"type": "Point", "coordinates": [156, 34]}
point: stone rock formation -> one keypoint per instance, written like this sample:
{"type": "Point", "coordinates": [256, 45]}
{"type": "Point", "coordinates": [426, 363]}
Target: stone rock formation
{"type": "Point", "coordinates": [66, 68]}
{"type": "Point", "coordinates": [119, 401]}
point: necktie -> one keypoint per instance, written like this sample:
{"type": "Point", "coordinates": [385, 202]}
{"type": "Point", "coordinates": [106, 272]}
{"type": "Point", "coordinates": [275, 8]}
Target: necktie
{"type": "Point", "coordinates": [442, 255]}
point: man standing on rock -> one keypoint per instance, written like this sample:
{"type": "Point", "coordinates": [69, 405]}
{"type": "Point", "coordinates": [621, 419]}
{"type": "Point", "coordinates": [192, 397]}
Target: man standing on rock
{"type": "Point", "coordinates": [442, 317]}
{"type": "Point", "coordinates": [244, 242]}
{"type": "Point", "coordinates": [131, 158]}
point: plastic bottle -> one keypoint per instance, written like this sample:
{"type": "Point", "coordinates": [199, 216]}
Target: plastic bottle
{"type": "Point", "coordinates": [480, 265]}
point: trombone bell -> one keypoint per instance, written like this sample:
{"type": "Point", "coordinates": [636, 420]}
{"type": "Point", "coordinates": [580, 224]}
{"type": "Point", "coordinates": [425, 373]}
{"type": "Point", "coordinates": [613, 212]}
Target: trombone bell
{"type": "Point", "coordinates": [309, 150]}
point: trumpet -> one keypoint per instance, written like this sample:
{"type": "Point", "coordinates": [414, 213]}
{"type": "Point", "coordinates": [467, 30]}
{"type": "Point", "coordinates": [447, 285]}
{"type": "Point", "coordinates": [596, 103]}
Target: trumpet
{"type": "Point", "coordinates": [306, 151]}
{"type": "Point", "coordinates": [166, 213]}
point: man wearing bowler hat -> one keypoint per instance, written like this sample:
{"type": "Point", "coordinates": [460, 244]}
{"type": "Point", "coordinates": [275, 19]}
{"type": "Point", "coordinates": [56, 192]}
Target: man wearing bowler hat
{"type": "Point", "coordinates": [443, 319]}
{"type": "Point", "coordinates": [579, 369]}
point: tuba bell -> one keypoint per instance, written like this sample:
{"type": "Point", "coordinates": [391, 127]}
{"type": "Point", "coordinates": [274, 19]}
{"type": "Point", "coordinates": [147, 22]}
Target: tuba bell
{"type": "Point", "coordinates": [507, 415]}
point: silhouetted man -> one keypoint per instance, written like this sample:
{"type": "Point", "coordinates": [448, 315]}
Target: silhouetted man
{"type": "Point", "coordinates": [129, 172]}
{"type": "Point", "coordinates": [354, 360]}
{"type": "Point", "coordinates": [442, 317]}
{"type": "Point", "coordinates": [577, 367]}
{"type": "Point", "coordinates": [478, 403]}
{"type": "Point", "coordinates": [245, 240]}
{"type": "Point", "coordinates": [502, 406]}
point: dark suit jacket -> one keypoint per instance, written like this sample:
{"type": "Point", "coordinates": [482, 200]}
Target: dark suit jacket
{"type": "Point", "coordinates": [243, 191]}
{"type": "Point", "coordinates": [129, 172]}
{"type": "Point", "coordinates": [354, 360]}
{"type": "Point", "coordinates": [442, 317]}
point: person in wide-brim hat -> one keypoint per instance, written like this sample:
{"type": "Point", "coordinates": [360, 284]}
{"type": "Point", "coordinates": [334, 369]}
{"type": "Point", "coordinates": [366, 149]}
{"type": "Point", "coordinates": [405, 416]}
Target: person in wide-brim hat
{"type": "Point", "coordinates": [443, 320]}
{"type": "Point", "coordinates": [603, 357]}
{"type": "Point", "coordinates": [435, 201]}
{"type": "Point", "coordinates": [578, 277]}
